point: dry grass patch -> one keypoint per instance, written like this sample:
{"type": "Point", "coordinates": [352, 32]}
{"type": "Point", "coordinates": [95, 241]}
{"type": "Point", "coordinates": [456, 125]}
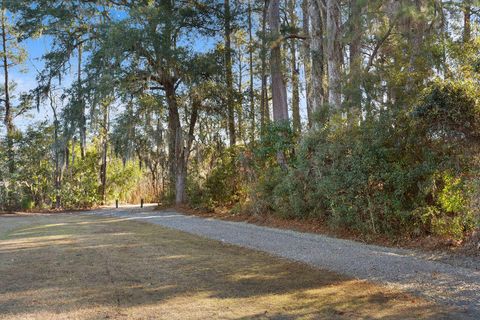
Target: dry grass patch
{"type": "Point", "coordinates": [84, 267]}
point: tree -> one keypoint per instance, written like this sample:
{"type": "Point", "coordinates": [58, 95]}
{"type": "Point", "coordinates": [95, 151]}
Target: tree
{"type": "Point", "coordinates": [12, 55]}
{"type": "Point", "coordinates": [170, 80]}
{"type": "Point", "coordinates": [138, 132]}
{"type": "Point", "coordinates": [153, 60]}
{"type": "Point", "coordinates": [354, 94]}
{"type": "Point", "coordinates": [56, 147]}
{"type": "Point", "coordinates": [467, 16]}
{"type": "Point", "coordinates": [306, 57]}
{"type": "Point", "coordinates": [229, 73]}
{"type": "Point", "coordinates": [317, 55]}
{"type": "Point", "coordinates": [334, 53]}
{"type": "Point", "coordinates": [251, 93]}
{"type": "Point", "coordinates": [71, 26]}
{"type": "Point", "coordinates": [264, 104]}
{"type": "Point", "coordinates": [279, 90]}
{"type": "Point", "coordinates": [294, 68]}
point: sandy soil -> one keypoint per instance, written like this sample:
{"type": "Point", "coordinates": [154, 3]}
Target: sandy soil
{"type": "Point", "coordinates": [85, 267]}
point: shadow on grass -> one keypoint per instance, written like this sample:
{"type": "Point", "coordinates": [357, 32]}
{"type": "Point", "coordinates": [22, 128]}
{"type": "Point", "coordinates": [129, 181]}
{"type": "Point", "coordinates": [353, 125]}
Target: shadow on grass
{"type": "Point", "coordinates": [91, 268]}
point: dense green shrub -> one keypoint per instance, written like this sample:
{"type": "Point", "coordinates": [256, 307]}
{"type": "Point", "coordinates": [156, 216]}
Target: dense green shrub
{"type": "Point", "coordinates": [222, 186]}
{"type": "Point", "coordinates": [80, 189]}
{"type": "Point", "coordinates": [32, 185]}
{"type": "Point", "coordinates": [449, 111]}
{"type": "Point", "coordinates": [28, 203]}
{"type": "Point", "coordinates": [34, 166]}
{"type": "Point", "coordinates": [123, 180]}
{"type": "Point", "coordinates": [405, 172]}
{"type": "Point", "coordinates": [233, 172]}
{"type": "Point", "coordinates": [278, 137]}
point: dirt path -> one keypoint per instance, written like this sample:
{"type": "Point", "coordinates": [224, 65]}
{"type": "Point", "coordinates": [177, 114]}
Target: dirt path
{"type": "Point", "coordinates": [89, 267]}
{"type": "Point", "coordinates": [397, 268]}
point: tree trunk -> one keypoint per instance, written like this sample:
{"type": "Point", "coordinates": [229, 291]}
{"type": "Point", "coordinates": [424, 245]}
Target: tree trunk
{"type": "Point", "coordinates": [103, 172]}
{"type": "Point", "coordinates": [180, 185]}
{"type": "Point", "coordinates": [334, 54]}
{"type": "Point", "coordinates": [297, 125]}
{"type": "Point", "coordinates": [250, 62]}
{"type": "Point", "coordinates": [264, 109]}
{"type": "Point", "coordinates": [8, 108]}
{"type": "Point", "coordinates": [67, 156]}
{"type": "Point", "coordinates": [178, 170]}
{"type": "Point", "coordinates": [241, 134]}
{"type": "Point", "coordinates": [354, 96]}
{"type": "Point", "coordinates": [417, 26]}
{"type": "Point", "coordinates": [57, 175]}
{"type": "Point", "coordinates": [317, 56]}
{"type": "Point", "coordinates": [74, 142]}
{"type": "Point", "coordinates": [307, 64]}
{"type": "Point", "coordinates": [182, 154]}
{"type": "Point", "coordinates": [57, 167]}
{"type": "Point", "coordinates": [174, 143]}
{"type": "Point", "coordinates": [229, 74]}
{"type": "Point", "coordinates": [279, 90]}
{"type": "Point", "coordinates": [467, 15]}
{"type": "Point", "coordinates": [83, 121]}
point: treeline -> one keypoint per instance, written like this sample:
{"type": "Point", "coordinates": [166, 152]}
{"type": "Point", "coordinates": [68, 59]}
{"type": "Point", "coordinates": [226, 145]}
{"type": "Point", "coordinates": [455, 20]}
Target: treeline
{"type": "Point", "coordinates": [361, 113]}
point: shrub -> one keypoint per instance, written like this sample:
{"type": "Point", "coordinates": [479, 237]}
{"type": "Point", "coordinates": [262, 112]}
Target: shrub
{"type": "Point", "coordinates": [398, 173]}
{"type": "Point", "coordinates": [222, 186]}
{"type": "Point", "coordinates": [28, 203]}
{"type": "Point", "coordinates": [80, 187]}
{"type": "Point", "coordinates": [448, 111]}
{"type": "Point", "coordinates": [278, 137]}
{"type": "Point", "coordinates": [123, 179]}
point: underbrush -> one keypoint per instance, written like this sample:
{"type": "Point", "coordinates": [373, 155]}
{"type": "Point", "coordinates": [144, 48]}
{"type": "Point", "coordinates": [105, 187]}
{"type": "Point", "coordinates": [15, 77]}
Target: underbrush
{"type": "Point", "coordinates": [406, 172]}
{"type": "Point", "coordinates": [33, 184]}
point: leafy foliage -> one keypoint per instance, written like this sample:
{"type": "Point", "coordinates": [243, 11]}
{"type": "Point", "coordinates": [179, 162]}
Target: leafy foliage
{"type": "Point", "coordinates": [390, 175]}
{"type": "Point", "coordinates": [392, 138]}
{"type": "Point", "coordinates": [33, 182]}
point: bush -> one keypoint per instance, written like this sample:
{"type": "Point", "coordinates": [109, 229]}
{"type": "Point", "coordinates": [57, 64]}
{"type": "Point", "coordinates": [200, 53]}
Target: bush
{"type": "Point", "coordinates": [448, 111]}
{"type": "Point", "coordinates": [80, 186]}
{"type": "Point", "coordinates": [28, 203]}
{"type": "Point", "coordinates": [123, 180]}
{"type": "Point", "coordinates": [278, 137]}
{"type": "Point", "coordinates": [399, 173]}
{"type": "Point", "coordinates": [222, 186]}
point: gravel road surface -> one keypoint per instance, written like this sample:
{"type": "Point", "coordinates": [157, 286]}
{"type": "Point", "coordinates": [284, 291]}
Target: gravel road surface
{"type": "Point", "coordinates": [398, 268]}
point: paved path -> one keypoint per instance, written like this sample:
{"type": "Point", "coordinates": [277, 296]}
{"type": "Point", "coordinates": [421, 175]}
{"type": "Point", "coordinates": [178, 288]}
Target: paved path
{"type": "Point", "coordinates": [398, 268]}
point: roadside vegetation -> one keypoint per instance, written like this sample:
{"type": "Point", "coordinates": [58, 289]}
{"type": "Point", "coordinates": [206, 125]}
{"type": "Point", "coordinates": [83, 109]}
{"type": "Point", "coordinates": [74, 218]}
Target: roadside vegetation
{"type": "Point", "coordinates": [359, 115]}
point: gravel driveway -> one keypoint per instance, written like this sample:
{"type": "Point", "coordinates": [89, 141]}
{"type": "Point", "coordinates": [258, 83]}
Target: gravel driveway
{"type": "Point", "coordinates": [399, 268]}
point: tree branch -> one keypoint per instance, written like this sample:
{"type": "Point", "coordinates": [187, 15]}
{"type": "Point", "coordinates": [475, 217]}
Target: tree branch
{"type": "Point", "coordinates": [378, 46]}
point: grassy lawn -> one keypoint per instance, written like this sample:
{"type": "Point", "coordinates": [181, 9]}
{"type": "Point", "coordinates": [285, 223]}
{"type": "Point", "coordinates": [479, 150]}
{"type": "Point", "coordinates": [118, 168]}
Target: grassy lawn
{"type": "Point", "coordinates": [83, 267]}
